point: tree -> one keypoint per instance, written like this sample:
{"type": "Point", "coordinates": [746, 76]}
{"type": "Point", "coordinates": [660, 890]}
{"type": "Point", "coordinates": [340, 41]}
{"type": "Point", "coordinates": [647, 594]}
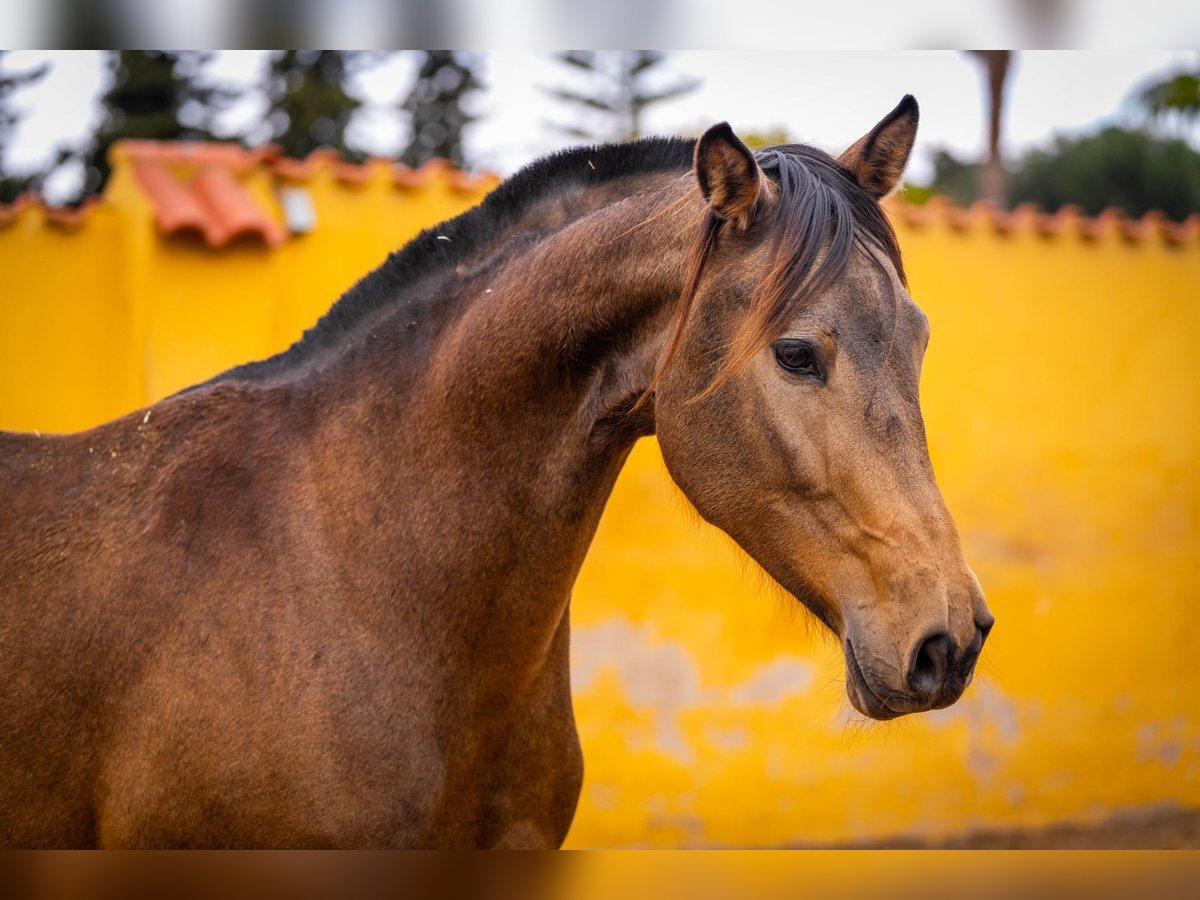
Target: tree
{"type": "Point", "coordinates": [955, 178]}
{"type": "Point", "coordinates": [1131, 170]}
{"type": "Point", "coordinates": [993, 178]}
{"type": "Point", "coordinates": [12, 184]}
{"type": "Point", "coordinates": [1174, 97]}
{"type": "Point", "coordinates": [770, 137]}
{"type": "Point", "coordinates": [435, 106]}
{"type": "Point", "coordinates": [617, 86]}
{"type": "Point", "coordinates": [153, 95]}
{"type": "Point", "coordinates": [308, 105]}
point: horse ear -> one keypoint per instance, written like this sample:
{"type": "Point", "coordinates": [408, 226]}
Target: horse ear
{"type": "Point", "coordinates": [878, 158]}
{"type": "Point", "coordinates": [729, 176]}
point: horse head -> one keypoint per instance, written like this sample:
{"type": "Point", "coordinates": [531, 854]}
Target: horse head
{"type": "Point", "coordinates": [788, 409]}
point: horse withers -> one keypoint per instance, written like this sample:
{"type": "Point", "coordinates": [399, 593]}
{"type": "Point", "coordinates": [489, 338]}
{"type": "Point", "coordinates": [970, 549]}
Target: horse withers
{"type": "Point", "coordinates": [322, 600]}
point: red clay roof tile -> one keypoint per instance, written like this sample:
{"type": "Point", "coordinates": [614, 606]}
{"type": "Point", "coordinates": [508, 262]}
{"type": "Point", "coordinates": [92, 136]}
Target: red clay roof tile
{"type": "Point", "coordinates": [10, 213]}
{"type": "Point", "coordinates": [212, 202]}
{"type": "Point", "coordinates": [199, 186]}
{"type": "Point", "coordinates": [196, 185]}
{"type": "Point", "coordinates": [1068, 220]}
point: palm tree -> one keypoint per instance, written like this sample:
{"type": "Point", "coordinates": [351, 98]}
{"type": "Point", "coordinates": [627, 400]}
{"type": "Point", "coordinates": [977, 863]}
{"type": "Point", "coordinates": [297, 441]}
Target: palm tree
{"type": "Point", "coordinates": [993, 181]}
{"type": "Point", "coordinates": [1176, 96]}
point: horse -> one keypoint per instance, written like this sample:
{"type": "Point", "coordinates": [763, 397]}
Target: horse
{"type": "Point", "coordinates": [321, 600]}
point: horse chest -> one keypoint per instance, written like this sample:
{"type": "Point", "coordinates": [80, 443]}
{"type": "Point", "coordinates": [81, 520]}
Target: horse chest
{"type": "Point", "coordinates": [519, 778]}
{"type": "Point", "coordinates": [345, 760]}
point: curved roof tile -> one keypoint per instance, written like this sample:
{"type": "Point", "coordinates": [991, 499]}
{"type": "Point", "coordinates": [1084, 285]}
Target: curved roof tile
{"type": "Point", "coordinates": [1067, 221]}
{"type": "Point", "coordinates": [211, 201]}
{"type": "Point", "coordinates": [64, 218]}
{"type": "Point", "coordinates": [201, 187]}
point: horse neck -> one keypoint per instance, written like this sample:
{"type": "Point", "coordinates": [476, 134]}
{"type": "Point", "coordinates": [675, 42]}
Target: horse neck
{"type": "Point", "coordinates": [478, 487]}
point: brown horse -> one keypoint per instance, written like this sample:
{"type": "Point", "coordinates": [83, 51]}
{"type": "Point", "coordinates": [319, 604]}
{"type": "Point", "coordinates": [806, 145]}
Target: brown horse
{"type": "Point", "coordinates": [322, 600]}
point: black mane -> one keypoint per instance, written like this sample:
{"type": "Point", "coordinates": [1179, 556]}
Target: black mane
{"type": "Point", "coordinates": [441, 247]}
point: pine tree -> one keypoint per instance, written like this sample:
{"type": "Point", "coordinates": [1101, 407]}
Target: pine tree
{"type": "Point", "coordinates": [309, 106]}
{"type": "Point", "coordinates": [154, 95]}
{"type": "Point", "coordinates": [435, 105]}
{"type": "Point", "coordinates": [617, 86]}
{"type": "Point", "coordinates": [13, 184]}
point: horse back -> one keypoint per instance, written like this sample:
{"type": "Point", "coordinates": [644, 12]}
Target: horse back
{"type": "Point", "coordinates": [104, 536]}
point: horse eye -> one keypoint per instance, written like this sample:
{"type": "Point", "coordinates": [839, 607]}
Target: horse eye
{"type": "Point", "coordinates": [797, 357]}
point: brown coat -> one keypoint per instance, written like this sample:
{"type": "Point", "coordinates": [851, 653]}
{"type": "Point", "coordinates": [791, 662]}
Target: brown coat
{"type": "Point", "coordinates": [323, 600]}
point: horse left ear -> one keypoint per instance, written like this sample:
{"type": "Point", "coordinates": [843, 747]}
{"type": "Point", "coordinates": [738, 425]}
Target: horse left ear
{"type": "Point", "coordinates": [878, 158]}
{"type": "Point", "coordinates": [729, 176]}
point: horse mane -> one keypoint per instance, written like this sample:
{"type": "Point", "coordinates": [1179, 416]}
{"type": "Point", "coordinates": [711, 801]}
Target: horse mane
{"type": "Point", "coordinates": [821, 209]}
{"type": "Point", "coordinates": [443, 246]}
{"type": "Point", "coordinates": [822, 216]}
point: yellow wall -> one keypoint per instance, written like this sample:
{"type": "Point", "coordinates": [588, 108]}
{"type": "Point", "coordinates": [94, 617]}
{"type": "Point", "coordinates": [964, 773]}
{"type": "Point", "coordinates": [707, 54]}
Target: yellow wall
{"type": "Point", "coordinates": [108, 316]}
{"type": "Point", "coordinates": [62, 307]}
{"type": "Point", "coordinates": [1060, 394]}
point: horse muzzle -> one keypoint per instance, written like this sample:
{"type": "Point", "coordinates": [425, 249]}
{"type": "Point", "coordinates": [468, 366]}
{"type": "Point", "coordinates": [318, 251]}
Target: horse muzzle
{"type": "Point", "coordinates": [936, 673]}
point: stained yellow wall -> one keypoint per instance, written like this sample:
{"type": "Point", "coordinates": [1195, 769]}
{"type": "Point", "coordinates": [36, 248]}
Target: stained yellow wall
{"type": "Point", "coordinates": [108, 316]}
{"type": "Point", "coordinates": [1060, 393]}
{"type": "Point", "coordinates": [60, 299]}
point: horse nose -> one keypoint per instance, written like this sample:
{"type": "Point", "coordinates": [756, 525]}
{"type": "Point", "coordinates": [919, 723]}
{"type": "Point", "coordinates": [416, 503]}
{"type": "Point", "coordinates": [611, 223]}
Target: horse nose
{"type": "Point", "coordinates": [930, 665]}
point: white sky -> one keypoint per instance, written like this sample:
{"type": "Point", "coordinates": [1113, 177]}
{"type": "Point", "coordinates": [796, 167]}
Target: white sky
{"type": "Point", "coordinates": [825, 98]}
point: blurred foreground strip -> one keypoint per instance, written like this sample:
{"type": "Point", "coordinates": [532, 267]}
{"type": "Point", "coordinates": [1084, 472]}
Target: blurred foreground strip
{"type": "Point", "coordinates": [611, 875]}
{"type": "Point", "coordinates": [540, 24]}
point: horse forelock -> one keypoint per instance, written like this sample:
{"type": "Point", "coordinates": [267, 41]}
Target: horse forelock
{"type": "Point", "coordinates": [820, 217]}
{"type": "Point", "coordinates": [821, 208]}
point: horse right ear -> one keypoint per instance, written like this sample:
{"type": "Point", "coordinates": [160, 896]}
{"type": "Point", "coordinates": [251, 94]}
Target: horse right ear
{"type": "Point", "coordinates": [729, 176]}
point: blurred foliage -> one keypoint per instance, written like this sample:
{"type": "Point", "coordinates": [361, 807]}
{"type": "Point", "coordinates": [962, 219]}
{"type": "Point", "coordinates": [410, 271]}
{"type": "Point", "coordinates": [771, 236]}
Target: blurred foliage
{"type": "Point", "coordinates": [446, 79]}
{"type": "Point", "coordinates": [1178, 97]}
{"type": "Point", "coordinates": [955, 178]}
{"type": "Point", "coordinates": [615, 89]}
{"type": "Point", "coordinates": [14, 184]}
{"type": "Point", "coordinates": [307, 102]}
{"type": "Point", "coordinates": [771, 137]}
{"type": "Point", "coordinates": [153, 95]}
{"type": "Point", "coordinates": [1181, 94]}
{"type": "Point", "coordinates": [917, 195]}
{"type": "Point", "coordinates": [1131, 170]}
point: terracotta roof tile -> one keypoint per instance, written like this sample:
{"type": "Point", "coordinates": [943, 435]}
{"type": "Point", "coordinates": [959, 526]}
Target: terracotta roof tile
{"type": "Point", "coordinates": [193, 153]}
{"type": "Point", "coordinates": [202, 187]}
{"type": "Point", "coordinates": [63, 218]}
{"type": "Point", "coordinates": [197, 186]}
{"type": "Point", "coordinates": [1067, 221]}
{"type": "Point", "coordinates": [10, 213]}
{"type": "Point", "coordinates": [1184, 231]}
{"type": "Point", "coordinates": [296, 170]}
{"type": "Point", "coordinates": [212, 202]}
{"type": "Point", "coordinates": [67, 218]}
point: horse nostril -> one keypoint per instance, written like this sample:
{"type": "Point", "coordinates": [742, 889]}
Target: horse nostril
{"type": "Point", "coordinates": [930, 664]}
{"type": "Point", "coordinates": [985, 628]}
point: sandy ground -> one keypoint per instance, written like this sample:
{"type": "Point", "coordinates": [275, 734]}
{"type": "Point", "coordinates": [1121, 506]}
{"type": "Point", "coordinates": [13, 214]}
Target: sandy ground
{"type": "Point", "coordinates": [1151, 830]}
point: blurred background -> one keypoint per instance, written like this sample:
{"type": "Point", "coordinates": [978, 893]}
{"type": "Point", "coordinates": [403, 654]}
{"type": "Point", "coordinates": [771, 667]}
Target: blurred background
{"type": "Point", "coordinates": [1094, 128]}
{"type": "Point", "coordinates": [166, 215]}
